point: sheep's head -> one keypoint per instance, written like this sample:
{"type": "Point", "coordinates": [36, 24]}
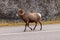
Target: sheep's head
{"type": "Point", "coordinates": [21, 12]}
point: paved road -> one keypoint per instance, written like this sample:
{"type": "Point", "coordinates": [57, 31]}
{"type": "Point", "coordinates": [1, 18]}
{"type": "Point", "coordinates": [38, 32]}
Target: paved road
{"type": "Point", "coordinates": [49, 32]}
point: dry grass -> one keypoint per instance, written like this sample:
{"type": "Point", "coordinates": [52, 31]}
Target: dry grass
{"type": "Point", "coordinates": [22, 23]}
{"type": "Point", "coordinates": [51, 22]}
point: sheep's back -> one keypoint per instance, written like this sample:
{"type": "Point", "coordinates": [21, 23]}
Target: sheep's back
{"type": "Point", "coordinates": [33, 16]}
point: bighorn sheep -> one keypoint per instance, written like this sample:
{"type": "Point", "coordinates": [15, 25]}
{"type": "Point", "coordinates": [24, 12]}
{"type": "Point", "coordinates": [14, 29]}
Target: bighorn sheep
{"type": "Point", "coordinates": [30, 17]}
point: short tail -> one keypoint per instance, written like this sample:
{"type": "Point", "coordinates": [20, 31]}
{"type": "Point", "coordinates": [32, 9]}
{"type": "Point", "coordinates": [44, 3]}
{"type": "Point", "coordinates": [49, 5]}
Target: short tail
{"type": "Point", "coordinates": [39, 14]}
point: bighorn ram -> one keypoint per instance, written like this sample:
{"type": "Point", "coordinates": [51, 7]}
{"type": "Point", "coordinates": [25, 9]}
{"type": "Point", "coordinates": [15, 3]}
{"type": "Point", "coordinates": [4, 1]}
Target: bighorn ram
{"type": "Point", "coordinates": [30, 17]}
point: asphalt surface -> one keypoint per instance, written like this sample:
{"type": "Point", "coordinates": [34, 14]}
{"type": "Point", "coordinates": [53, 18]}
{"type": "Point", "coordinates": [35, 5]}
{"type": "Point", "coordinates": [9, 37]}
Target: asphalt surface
{"type": "Point", "coordinates": [49, 32]}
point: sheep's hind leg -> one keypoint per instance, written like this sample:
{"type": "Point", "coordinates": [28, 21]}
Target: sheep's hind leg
{"type": "Point", "coordinates": [41, 25]}
{"type": "Point", "coordinates": [35, 26]}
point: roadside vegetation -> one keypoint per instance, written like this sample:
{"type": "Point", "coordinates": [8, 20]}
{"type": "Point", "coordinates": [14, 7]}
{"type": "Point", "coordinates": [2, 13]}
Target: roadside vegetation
{"type": "Point", "coordinates": [10, 23]}
{"type": "Point", "coordinates": [50, 10]}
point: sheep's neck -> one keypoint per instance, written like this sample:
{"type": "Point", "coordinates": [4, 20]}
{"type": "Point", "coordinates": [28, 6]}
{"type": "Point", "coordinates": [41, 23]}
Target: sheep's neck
{"type": "Point", "coordinates": [22, 15]}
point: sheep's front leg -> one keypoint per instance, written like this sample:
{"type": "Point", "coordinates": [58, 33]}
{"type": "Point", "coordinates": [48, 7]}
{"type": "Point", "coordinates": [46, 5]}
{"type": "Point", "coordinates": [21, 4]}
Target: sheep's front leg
{"type": "Point", "coordinates": [35, 25]}
{"type": "Point", "coordinates": [25, 27]}
{"type": "Point", "coordinates": [29, 26]}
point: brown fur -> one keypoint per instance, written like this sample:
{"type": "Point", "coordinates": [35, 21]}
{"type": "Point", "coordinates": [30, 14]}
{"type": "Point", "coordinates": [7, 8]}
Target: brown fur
{"type": "Point", "coordinates": [29, 17]}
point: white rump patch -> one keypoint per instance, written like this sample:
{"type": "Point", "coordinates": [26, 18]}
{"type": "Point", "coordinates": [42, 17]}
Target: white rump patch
{"type": "Point", "coordinates": [39, 14]}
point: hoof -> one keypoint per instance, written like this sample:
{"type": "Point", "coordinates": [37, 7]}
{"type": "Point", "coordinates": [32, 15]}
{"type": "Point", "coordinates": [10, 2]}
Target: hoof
{"type": "Point", "coordinates": [40, 29]}
{"type": "Point", "coordinates": [31, 28]}
{"type": "Point", "coordinates": [24, 30]}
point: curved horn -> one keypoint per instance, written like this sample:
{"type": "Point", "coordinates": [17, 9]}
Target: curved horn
{"type": "Point", "coordinates": [21, 11]}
